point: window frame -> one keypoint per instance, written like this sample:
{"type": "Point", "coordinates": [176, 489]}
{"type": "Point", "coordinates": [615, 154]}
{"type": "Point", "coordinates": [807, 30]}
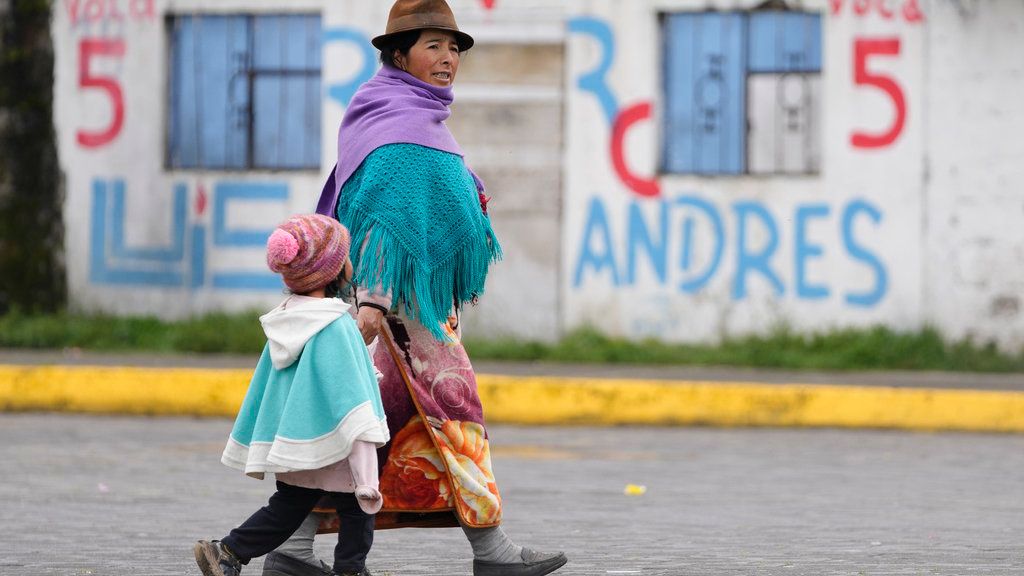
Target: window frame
{"type": "Point", "coordinates": [664, 131]}
{"type": "Point", "coordinates": [252, 74]}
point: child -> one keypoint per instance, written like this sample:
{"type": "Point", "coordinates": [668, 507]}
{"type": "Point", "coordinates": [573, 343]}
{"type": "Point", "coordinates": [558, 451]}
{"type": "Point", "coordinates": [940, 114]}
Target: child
{"type": "Point", "coordinates": [313, 414]}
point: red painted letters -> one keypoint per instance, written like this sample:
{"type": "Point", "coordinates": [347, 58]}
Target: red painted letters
{"type": "Point", "coordinates": [910, 10]}
{"type": "Point", "coordinates": [646, 187]}
{"type": "Point", "coordinates": [113, 10]}
{"type": "Point", "coordinates": [862, 50]}
{"type": "Point", "coordinates": [113, 48]}
{"type": "Point", "coordinates": [884, 10]}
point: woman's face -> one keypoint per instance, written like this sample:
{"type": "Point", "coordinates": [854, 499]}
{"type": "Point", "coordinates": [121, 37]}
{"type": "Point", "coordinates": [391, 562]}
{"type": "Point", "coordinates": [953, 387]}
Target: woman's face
{"type": "Point", "coordinates": [434, 58]}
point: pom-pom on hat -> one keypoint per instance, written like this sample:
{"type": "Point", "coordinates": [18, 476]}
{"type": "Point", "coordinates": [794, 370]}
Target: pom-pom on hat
{"type": "Point", "coordinates": [308, 251]}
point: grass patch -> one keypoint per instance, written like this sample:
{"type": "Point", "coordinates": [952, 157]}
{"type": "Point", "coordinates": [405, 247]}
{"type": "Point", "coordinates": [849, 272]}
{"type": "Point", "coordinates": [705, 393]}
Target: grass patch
{"type": "Point", "coordinates": [213, 333]}
{"type": "Point", "coordinates": [876, 348]}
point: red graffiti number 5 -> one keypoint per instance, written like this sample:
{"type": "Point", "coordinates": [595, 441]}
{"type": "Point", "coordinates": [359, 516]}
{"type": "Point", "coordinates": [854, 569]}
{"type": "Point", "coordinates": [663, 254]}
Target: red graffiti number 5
{"type": "Point", "coordinates": [87, 49]}
{"type": "Point", "coordinates": [862, 50]}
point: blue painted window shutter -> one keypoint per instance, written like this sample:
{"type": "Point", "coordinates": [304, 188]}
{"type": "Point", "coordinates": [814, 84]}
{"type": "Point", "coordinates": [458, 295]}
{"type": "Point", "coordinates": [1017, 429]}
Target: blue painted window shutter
{"type": "Point", "coordinates": [704, 95]}
{"type": "Point", "coordinates": [784, 42]}
{"type": "Point", "coordinates": [742, 92]}
{"type": "Point", "coordinates": [784, 93]}
{"type": "Point", "coordinates": [287, 106]}
{"type": "Point", "coordinates": [209, 92]}
{"type": "Point", "coordinates": [245, 92]}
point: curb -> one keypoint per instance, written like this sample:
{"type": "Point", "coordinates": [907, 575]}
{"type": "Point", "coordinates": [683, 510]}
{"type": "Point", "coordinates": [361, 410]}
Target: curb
{"type": "Point", "coordinates": [535, 400]}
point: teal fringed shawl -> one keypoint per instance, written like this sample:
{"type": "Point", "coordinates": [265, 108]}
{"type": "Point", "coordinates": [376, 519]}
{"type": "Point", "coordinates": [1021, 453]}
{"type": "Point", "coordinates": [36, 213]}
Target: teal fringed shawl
{"type": "Point", "coordinates": [427, 241]}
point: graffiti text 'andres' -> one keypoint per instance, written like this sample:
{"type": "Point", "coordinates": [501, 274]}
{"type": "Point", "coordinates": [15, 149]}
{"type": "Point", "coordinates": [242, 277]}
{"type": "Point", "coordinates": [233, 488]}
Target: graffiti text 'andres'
{"type": "Point", "coordinates": [687, 241]}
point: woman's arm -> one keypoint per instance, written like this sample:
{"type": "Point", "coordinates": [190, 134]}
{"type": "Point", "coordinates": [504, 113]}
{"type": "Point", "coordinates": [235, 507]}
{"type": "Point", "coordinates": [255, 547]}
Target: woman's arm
{"type": "Point", "coordinates": [372, 303]}
{"type": "Point", "coordinates": [372, 307]}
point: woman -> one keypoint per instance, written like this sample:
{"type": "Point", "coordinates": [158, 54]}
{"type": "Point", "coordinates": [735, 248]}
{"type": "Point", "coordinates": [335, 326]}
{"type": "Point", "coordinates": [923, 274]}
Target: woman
{"type": "Point", "coordinates": [419, 215]}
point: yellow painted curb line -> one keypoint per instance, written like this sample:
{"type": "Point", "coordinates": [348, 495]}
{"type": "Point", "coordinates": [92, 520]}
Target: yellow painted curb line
{"type": "Point", "coordinates": [542, 400]}
{"type": "Point", "coordinates": [653, 402]}
{"type": "Point", "coordinates": [120, 390]}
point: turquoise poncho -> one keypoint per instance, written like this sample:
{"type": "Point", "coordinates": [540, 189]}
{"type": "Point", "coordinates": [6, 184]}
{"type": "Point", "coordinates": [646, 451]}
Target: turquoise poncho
{"type": "Point", "coordinates": [313, 394]}
{"type": "Point", "coordinates": [427, 240]}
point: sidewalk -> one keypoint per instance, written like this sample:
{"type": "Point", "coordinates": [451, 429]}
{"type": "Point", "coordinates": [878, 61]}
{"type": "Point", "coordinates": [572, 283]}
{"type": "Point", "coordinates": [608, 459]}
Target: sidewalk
{"type": "Point", "coordinates": [548, 393]}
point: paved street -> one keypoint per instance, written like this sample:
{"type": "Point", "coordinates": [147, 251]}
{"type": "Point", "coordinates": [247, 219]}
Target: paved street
{"type": "Point", "coordinates": [127, 496]}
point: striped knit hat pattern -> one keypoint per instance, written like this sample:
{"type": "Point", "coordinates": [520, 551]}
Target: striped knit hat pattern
{"type": "Point", "coordinates": [308, 251]}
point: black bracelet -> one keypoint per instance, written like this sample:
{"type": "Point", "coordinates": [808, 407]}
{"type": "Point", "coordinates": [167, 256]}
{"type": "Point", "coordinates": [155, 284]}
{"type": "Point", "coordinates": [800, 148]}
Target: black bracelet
{"type": "Point", "coordinates": [375, 306]}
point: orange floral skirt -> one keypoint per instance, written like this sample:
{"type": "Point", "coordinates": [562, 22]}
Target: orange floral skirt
{"type": "Point", "coordinates": [436, 470]}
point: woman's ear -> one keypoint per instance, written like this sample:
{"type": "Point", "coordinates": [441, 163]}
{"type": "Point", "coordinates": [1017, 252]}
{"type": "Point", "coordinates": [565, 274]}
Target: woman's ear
{"type": "Point", "coordinates": [399, 59]}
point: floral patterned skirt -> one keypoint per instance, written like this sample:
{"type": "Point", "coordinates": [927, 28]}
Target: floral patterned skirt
{"type": "Point", "coordinates": [436, 470]}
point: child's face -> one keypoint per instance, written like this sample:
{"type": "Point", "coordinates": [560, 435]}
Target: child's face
{"type": "Point", "coordinates": [340, 286]}
{"type": "Point", "coordinates": [347, 269]}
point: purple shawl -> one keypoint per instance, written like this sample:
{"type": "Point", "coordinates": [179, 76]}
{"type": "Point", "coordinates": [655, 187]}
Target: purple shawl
{"type": "Point", "coordinates": [393, 107]}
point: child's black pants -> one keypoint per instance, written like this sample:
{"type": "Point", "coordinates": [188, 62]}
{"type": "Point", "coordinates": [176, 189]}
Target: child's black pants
{"type": "Point", "coordinates": [271, 525]}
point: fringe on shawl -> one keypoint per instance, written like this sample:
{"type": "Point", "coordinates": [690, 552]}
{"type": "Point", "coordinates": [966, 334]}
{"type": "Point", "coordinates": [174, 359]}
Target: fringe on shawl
{"type": "Point", "coordinates": [427, 290]}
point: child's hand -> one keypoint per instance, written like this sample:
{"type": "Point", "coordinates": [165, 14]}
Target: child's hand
{"type": "Point", "coordinates": [364, 493]}
{"type": "Point", "coordinates": [368, 320]}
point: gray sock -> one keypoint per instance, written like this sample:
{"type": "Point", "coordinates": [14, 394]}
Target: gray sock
{"type": "Point", "coordinates": [300, 545]}
{"type": "Point", "coordinates": [493, 545]}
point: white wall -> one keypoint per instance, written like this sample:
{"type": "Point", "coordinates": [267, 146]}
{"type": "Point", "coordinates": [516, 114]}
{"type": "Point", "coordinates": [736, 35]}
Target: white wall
{"type": "Point", "coordinates": [925, 230]}
{"type": "Point", "coordinates": [974, 213]}
{"type": "Point", "coordinates": [121, 277]}
{"type": "Point", "coordinates": [122, 274]}
{"type": "Point", "coordinates": [935, 235]}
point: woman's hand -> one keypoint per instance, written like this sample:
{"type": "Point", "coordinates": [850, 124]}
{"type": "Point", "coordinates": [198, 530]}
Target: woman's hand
{"type": "Point", "coordinates": [368, 320]}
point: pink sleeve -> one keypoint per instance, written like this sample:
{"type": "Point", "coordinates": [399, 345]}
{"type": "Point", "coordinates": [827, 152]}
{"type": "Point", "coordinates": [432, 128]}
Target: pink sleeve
{"type": "Point", "coordinates": [366, 296]}
{"type": "Point", "coordinates": [363, 463]}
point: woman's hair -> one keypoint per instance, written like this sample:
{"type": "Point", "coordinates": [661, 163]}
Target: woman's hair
{"type": "Point", "coordinates": [401, 42]}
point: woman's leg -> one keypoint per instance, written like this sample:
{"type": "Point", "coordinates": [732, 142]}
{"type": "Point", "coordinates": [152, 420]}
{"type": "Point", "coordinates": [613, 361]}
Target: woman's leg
{"type": "Point", "coordinates": [492, 545]}
{"type": "Point", "coordinates": [298, 547]}
{"type": "Point", "coordinates": [355, 534]}
{"type": "Point", "coordinates": [495, 554]}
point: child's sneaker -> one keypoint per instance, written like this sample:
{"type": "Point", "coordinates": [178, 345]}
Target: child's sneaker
{"type": "Point", "coordinates": [214, 559]}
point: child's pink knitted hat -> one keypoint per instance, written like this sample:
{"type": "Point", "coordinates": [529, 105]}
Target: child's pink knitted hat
{"type": "Point", "coordinates": [308, 251]}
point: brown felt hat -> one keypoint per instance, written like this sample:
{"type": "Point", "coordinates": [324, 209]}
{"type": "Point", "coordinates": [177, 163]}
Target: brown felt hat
{"type": "Point", "coordinates": [419, 15]}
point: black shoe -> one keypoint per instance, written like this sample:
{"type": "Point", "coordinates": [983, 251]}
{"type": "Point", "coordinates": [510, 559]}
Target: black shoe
{"type": "Point", "coordinates": [365, 572]}
{"type": "Point", "coordinates": [277, 564]}
{"type": "Point", "coordinates": [214, 559]}
{"type": "Point", "coordinates": [534, 564]}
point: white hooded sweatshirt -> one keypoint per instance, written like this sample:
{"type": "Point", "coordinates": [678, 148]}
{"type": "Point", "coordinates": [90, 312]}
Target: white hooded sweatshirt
{"type": "Point", "coordinates": [288, 328]}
